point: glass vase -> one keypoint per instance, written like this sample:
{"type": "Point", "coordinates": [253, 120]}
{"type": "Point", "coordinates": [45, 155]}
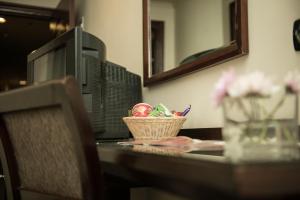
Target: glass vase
{"type": "Point", "coordinates": [261, 128]}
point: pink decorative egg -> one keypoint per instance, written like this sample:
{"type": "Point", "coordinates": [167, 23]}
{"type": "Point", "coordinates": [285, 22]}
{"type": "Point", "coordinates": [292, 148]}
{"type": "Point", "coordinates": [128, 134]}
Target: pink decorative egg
{"type": "Point", "coordinates": [141, 110]}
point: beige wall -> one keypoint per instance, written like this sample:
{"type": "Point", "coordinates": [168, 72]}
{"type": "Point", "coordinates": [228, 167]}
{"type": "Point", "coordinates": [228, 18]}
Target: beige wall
{"type": "Point", "coordinates": [119, 24]}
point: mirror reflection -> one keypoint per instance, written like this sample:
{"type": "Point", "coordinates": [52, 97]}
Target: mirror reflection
{"type": "Point", "coordinates": [184, 30]}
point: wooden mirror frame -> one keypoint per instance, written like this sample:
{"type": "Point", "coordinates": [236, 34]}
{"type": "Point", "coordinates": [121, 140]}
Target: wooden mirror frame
{"type": "Point", "coordinates": [236, 48]}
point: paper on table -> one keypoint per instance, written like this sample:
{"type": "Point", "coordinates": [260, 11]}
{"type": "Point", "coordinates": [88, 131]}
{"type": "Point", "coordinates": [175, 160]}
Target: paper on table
{"type": "Point", "coordinates": [181, 143]}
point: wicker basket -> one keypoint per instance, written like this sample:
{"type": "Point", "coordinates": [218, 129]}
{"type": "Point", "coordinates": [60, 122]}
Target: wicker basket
{"type": "Point", "coordinates": [154, 127]}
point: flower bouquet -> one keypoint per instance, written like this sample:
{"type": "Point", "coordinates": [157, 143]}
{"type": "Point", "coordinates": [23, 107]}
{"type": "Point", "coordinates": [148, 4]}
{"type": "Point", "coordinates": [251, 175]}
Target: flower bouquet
{"type": "Point", "coordinates": [260, 117]}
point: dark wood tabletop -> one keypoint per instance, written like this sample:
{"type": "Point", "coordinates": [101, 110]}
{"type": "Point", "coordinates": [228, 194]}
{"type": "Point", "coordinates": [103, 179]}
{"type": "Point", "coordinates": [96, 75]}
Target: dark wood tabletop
{"type": "Point", "coordinates": [201, 174]}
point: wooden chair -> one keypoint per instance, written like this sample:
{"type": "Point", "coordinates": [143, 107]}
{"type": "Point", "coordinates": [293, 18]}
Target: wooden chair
{"type": "Point", "coordinates": [47, 147]}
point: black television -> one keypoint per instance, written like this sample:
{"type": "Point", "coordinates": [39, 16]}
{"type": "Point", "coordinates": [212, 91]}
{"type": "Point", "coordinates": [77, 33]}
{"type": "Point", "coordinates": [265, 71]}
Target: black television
{"type": "Point", "coordinates": [82, 55]}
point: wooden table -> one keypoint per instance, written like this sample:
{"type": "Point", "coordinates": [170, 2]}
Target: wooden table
{"type": "Point", "coordinates": [199, 175]}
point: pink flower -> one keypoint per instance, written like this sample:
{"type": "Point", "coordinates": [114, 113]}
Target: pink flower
{"type": "Point", "coordinates": [292, 82]}
{"type": "Point", "coordinates": [255, 83]}
{"type": "Point", "coordinates": [221, 88]}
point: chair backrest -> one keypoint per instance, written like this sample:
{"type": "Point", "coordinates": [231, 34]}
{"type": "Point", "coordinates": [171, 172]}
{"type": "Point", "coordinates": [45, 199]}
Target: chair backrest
{"type": "Point", "coordinates": [47, 143]}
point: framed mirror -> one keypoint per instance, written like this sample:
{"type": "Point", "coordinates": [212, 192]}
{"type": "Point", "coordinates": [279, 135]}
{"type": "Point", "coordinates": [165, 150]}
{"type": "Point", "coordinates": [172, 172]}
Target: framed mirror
{"type": "Point", "coordinates": [180, 37]}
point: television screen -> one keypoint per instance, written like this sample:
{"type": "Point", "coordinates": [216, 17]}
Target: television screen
{"type": "Point", "coordinates": [43, 67]}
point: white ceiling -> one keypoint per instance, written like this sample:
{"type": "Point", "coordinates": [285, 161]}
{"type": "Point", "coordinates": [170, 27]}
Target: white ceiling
{"type": "Point", "coordinates": [39, 3]}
